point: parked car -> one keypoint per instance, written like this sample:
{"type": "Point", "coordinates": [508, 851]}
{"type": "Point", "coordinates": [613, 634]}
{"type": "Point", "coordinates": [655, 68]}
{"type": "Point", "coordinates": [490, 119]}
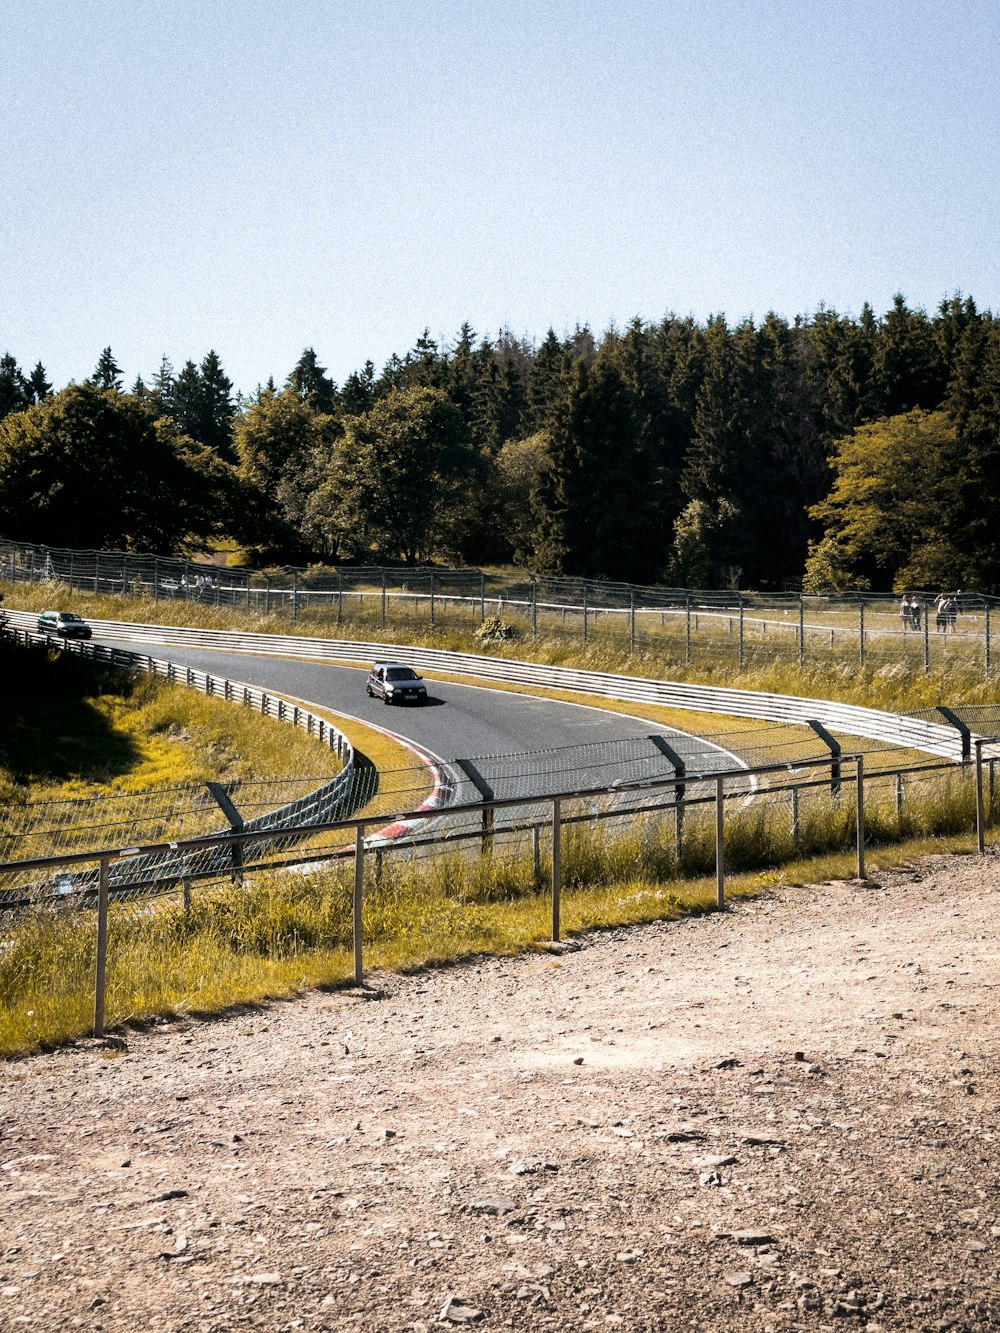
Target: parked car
{"type": "Point", "coordinates": [396, 684]}
{"type": "Point", "coordinates": [66, 623]}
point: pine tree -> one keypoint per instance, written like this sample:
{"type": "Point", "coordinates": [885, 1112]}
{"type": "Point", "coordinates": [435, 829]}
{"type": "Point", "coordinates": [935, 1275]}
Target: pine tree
{"type": "Point", "coordinates": [203, 404]}
{"type": "Point", "coordinates": [161, 391]}
{"type": "Point", "coordinates": [39, 387]}
{"type": "Point", "coordinates": [216, 407]}
{"type": "Point", "coordinates": [13, 387]}
{"type": "Point", "coordinates": [545, 381]}
{"type": "Point", "coordinates": [107, 373]}
{"type": "Point", "coordinates": [358, 393]}
{"type": "Point", "coordinates": [311, 382]}
{"type": "Point", "coordinates": [591, 490]}
{"type": "Point", "coordinates": [909, 368]}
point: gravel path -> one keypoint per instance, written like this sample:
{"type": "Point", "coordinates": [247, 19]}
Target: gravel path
{"type": "Point", "coordinates": [781, 1117]}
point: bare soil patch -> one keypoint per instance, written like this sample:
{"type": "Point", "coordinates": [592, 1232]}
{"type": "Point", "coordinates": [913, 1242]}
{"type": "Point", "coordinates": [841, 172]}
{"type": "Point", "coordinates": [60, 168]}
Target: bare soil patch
{"type": "Point", "coordinates": [780, 1117]}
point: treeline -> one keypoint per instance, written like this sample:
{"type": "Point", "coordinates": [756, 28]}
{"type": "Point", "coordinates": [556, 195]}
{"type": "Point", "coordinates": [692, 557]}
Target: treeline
{"type": "Point", "coordinates": [831, 450]}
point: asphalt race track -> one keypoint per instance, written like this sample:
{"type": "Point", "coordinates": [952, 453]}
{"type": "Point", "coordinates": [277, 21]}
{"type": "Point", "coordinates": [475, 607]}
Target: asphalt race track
{"type": "Point", "coordinates": [457, 722]}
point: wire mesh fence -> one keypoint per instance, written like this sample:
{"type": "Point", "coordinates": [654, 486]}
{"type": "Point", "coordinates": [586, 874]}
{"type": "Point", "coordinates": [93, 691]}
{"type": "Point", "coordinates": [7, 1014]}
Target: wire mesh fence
{"type": "Point", "coordinates": [363, 891]}
{"type": "Point", "coordinates": [936, 630]}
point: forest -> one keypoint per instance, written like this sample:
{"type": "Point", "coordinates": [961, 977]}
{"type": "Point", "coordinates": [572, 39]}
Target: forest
{"type": "Point", "coordinates": [829, 452]}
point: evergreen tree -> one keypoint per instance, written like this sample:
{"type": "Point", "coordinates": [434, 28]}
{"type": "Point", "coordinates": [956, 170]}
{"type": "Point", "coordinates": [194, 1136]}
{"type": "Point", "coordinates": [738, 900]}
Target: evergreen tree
{"type": "Point", "coordinates": [14, 396]}
{"type": "Point", "coordinates": [161, 391]}
{"type": "Point", "coordinates": [734, 471]}
{"type": "Point", "coordinates": [909, 369]}
{"type": "Point", "coordinates": [216, 407]}
{"type": "Point", "coordinates": [358, 393]}
{"type": "Point", "coordinates": [974, 403]}
{"type": "Point", "coordinates": [107, 373]}
{"type": "Point", "coordinates": [311, 382]}
{"type": "Point", "coordinates": [590, 496]}
{"type": "Point", "coordinates": [203, 404]}
{"type": "Point", "coordinates": [39, 387]}
{"type": "Point", "coordinates": [545, 381]}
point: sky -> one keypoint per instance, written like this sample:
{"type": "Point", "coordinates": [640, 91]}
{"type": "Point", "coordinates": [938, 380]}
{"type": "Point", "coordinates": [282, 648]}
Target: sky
{"type": "Point", "coordinates": [181, 175]}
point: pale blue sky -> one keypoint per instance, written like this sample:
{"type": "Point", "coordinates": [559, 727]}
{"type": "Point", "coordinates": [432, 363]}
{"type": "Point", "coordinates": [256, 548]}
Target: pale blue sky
{"type": "Point", "coordinates": [257, 178]}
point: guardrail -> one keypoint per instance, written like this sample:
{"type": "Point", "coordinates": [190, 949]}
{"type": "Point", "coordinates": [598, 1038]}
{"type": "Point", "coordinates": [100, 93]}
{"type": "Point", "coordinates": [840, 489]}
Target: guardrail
{"type": "Point", "coordinates": [328, 801]}
{"type": "Point", "coordinates": [941, 739]}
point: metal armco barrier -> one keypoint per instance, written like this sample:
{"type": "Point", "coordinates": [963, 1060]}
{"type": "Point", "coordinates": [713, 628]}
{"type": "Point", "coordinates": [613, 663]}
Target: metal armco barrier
{"type": "Point", "coordinates": [324, 803]}
{"type": "Point", "coordinates": [851, 719]}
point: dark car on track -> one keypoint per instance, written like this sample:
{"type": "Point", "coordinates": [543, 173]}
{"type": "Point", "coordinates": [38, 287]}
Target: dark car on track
{"type": "Point", "coordinates": [396, 684]}
{"type": "Point", "coordinates": [64, 623]}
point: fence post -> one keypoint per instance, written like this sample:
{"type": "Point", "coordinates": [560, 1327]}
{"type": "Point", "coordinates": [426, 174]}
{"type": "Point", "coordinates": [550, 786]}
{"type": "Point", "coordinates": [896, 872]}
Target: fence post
{"type": "Point", "coordinates": [340, 596]}
{"type": "Point", "coordinates": [980, 811]}
{"type": "Point", "coordinates": [432, 599]}
{"type": "Point", "coordinates": [556, 849]}
{"type": "Point", "coordinates": [186, 886]}
{"type": "Point", "coordinates": [687, 628]}
{"type": "Point", "coordinates": [741, 634]}
{"type": "Point", "coordinates": [720, 845]}
{"type": "Point", "coordinates": [100, 976]}
{"type": "Point", "coordinates": [899, 801]}
{"type": "Point", "coordinates": [359, 880]}
{"type": "Point", "coordinates": [536, 856]}
{"type": "Point", "coordinates": [927, 640]}
{"type": "Point", "coordinates": [987, 641]}
{"type": "Point", "coordinates": [482, 597]}
{"type": "Point", "coordinates": [834, 748]}
{"type": "Point", "coordinates": [861, 817]}
{"type": "Point", "coordinates": [861, 631]}
{"type": "Point", "coordinates": [802, 631]}
{"type": "Point", "coordinates": [385, 596]}
{"type": "Point", "coordinates": [585, 613]}
{"type": "Point", "coordinates": [71, 571]}
{"type": "Point", "coordinates": [295, 595]}
{"type": "Point", "coordinates": [534, 607]}
{"type": "Point", "coordinates": [796, 827]}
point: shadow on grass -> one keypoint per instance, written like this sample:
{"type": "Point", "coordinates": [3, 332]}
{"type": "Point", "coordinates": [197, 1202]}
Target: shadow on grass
{"type": "Point", "coordinates": [50, 729]}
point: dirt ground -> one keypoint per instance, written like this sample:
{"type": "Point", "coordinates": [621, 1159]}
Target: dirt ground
{"type": "Point", "coordinates": [781, 1117]}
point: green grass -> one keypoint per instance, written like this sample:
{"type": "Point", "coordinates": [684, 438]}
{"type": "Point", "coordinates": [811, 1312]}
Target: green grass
{"type": "Point", "coordinates": [72, 728]}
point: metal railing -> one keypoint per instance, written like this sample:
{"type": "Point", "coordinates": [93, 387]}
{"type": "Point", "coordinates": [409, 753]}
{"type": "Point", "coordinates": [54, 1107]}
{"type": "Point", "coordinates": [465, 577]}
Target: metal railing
{"type": "Point", "coordinates": [330, 800]}
{"type": "Point", "coordinates": [938, 738]}
{"type": "Point", "coordinates": [196, 858]}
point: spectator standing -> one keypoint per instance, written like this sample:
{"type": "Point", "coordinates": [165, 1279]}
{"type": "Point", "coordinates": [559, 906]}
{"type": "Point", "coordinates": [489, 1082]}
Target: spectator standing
{"type": "Point", "coordinates": [906, 612]}
{"type": "Point", "coordinates": [915, 611]}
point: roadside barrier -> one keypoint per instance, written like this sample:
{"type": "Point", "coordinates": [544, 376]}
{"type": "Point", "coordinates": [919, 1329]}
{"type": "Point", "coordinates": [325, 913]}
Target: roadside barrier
{"type": "Point", "coordinates": [941, 739]}
{"type": "Point", "coordinates": [329, 801]}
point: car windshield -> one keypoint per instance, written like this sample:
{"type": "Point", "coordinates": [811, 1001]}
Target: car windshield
{"type": "Point", "coordinates": [69, 615]}
{"type": "Point", "coordinates": [400, 673]}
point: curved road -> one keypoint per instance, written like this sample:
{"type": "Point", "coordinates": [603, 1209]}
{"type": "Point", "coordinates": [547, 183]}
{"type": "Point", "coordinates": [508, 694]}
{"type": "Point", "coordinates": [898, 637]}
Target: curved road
{"type": "Point", "coordinates": [457, 721]}
{"type": "Point", "coordinates": [521, 744]}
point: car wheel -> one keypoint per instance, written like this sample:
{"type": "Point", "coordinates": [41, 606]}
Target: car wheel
{"type": "Point", "coordinates": [386, 699]}
{"type": "Point", "coordinates": [368, 691]}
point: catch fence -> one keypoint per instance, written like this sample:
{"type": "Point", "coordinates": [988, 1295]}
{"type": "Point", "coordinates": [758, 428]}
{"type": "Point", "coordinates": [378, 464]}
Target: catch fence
{"type": "Point", "coordinates": [542, 844]}
{"type": "Point", "coordinates": [743, 629]}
